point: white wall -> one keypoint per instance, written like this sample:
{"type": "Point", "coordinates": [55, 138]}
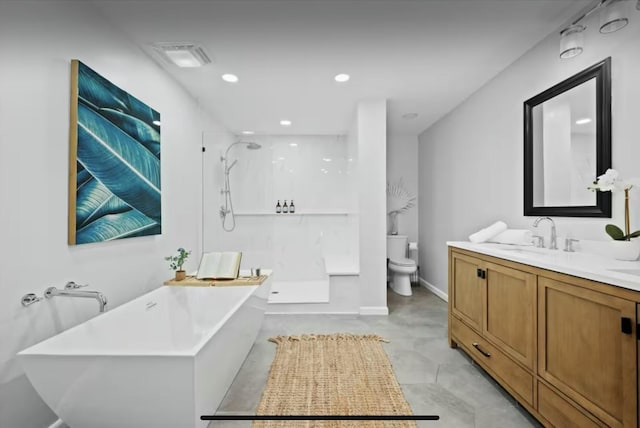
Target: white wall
{"type": "Point", "coordinates": [372, 142]}
{"type": "Point", "coordinates": [37, 42]}
{"type": "Point", "coordinates": [402, 164]}
{"type": "Point", "coordinates": [471, 161]}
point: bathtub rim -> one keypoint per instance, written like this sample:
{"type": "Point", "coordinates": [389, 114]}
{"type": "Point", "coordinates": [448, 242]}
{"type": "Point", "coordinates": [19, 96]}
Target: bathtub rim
{"type": "Point", "coordinates": [39, 348]}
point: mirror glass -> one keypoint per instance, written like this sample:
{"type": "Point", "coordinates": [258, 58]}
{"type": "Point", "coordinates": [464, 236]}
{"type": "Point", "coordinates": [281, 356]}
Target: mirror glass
{"type": "Point", "coordinates": [567, 145]}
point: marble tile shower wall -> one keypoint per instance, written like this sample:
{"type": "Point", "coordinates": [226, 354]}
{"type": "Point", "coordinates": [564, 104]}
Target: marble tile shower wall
{"type": "Point", "coordinates": [318, 174]}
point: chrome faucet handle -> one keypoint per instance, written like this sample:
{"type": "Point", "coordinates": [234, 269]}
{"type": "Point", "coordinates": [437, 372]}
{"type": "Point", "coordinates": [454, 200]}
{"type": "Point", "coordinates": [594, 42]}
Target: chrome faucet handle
{"type": "Point", "coordinates": [568, 244]}
{"type": "Point", "coordinates": [539, 241]}
{"type": "Point", "coordinates": [29, 299]}
{"type": "Point", "coordinates": [72, 285]}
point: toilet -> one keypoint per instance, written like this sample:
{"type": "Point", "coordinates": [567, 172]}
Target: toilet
{"type": "Point", "coordinates": [399, 265]}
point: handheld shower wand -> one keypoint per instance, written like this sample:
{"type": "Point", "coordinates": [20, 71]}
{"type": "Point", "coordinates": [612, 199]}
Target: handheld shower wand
{"type": "Point", "coordinates": [227, 208]}
{"type": "Point", "coordinates": [230, 166]}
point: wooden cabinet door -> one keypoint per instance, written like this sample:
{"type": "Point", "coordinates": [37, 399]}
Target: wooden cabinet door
{"type": "Point", "coordinates": [583, 352]}
{"type": "Point", "coordinates": [510, 312]}
{"type": "Point", "coordinates": [467, 289]}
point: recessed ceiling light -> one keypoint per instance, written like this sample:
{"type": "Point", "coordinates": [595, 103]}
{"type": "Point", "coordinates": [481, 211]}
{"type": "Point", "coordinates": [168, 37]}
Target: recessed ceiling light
{"type": "Point", "coordinates": [342, 77]}
{"type": "Point", "coordinates": [583, 121]}
{"type": "Point", "coordinates": [285, 122]}
{"type": "Point", "coordinates": [185, 55]}
{"type": "Point", "coordinates": [293, 144]}
{"type": "Point", "coordinates": [248, 132]}
{"type": "Point", "coordinates": [231, 78]}
{"type": "Point", "coordinates": [409, 116]}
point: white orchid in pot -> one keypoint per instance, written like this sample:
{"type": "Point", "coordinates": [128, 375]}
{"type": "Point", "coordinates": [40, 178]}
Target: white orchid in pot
{"type": "Point", "coordinates": [610, 181]}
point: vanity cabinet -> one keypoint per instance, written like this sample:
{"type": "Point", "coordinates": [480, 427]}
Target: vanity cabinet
{"type": "Point", "coordinates": [584, 352]}
{"type": "Point", "coordinates": [467, 296]}
{"type": "Point", "coordinates": [493, 309]}
{"type": "Point", "coordinates": [565, 347]}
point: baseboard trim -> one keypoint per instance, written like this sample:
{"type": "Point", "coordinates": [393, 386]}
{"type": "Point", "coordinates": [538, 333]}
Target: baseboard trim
{"type": "Point", "coordinates": [374, 310]}
{"type": "Point", "coordinates": [435, 290]}
{"type": "Point", "coordinates": [311, 313]}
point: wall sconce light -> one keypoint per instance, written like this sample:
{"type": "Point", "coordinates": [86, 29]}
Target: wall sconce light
{"type": "Point", "coordinates": [613, 16]}
{"type": "Point", "coordinates": [572, 41]}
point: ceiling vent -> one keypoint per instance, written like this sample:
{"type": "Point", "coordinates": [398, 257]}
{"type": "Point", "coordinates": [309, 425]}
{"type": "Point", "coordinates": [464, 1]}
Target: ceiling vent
{"type": "Point", "coordinates": [185, 55]}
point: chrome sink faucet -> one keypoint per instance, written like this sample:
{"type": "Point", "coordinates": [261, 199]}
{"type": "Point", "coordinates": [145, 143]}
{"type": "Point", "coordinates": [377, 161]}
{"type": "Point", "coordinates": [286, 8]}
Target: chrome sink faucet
{"type": "Point", "coordinates": [553, 245]}
{"type": "Point", "coordinates": [71, 290]}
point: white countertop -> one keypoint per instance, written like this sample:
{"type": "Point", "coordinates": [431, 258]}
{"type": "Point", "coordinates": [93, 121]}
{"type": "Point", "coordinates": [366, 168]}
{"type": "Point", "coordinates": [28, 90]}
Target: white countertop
{"type": "Point", "coordinates": [584, 265]}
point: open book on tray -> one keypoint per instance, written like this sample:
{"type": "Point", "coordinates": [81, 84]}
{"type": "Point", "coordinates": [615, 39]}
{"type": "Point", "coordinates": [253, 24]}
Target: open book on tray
{"type": "Point", "coordinates": [219, 265]}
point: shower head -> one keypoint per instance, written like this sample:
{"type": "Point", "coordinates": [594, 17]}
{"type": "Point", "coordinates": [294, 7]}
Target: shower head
{"type": "Point", "coordinates": [250, 145]}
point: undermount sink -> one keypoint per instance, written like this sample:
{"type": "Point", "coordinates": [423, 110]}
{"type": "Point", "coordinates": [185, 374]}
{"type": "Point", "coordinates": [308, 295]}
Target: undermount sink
{"type": "Point", "coordinates": [627, 271]}
{"type": "Point", "coordinates": [523, 249]}
{"type": "Point", "coordinates": [525, 253]}
{"type": "Point", "coordinates": [528, 250]}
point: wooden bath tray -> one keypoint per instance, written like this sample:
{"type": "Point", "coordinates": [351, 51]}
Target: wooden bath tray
{"type": "Point", "coordinates": [243, 280]}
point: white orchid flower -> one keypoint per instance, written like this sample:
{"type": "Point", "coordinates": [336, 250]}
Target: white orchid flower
{"type": "Point", "coordinates": [610, 181]}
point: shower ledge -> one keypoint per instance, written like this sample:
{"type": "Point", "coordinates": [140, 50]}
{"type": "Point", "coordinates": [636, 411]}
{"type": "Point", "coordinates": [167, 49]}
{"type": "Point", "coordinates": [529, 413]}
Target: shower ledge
{"type": "Point", "coordinates": [297, 213]}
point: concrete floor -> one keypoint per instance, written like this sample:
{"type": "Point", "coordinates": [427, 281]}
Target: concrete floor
{"type": "Point", "coordinates": [435, 379]}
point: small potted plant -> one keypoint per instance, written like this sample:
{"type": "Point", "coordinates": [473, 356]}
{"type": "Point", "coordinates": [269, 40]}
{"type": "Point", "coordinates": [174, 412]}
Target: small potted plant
{"type": "Point", "coordinates": [176, 262]}
{"type": "Point", "coordinates": [399, 201]}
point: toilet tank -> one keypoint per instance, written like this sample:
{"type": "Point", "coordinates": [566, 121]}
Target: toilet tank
{"type": "Point", "coordinates": [397, 246]}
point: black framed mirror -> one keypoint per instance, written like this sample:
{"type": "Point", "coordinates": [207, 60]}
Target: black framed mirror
{"type": "Point", "coordinates": [567, 144]}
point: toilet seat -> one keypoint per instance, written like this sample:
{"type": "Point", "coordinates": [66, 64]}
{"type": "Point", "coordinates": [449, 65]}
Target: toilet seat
{"type": "Point", "coordinates": [401, 269]}
{"type": "Point", "coordinates": [404, 262]}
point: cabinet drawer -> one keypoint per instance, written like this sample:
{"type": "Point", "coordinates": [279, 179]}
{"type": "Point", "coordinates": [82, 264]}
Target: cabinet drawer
{"type": "Point", "coordinates": [560, 412]}
{"type": "Point", "coordinates": [508, 373]}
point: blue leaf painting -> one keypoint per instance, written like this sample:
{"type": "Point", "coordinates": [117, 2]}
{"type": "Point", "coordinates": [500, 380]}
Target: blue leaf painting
{"type": "Point", "coordinates": [117, 159]}
{"type": "Point", "coordinates": [142, 111]}
{"type": "Point", "coordinates": [94, 200]}
{"type": "Point", "coordinates": [98, 92]}
{"type": "Point", "coordinates": [115, 226]}
{"type": "Point", "coordinates": [124, 166]}
{"type": "Point", "coordinates": [136, 128]}
{"type": "Point", "coordinates": [83, 175]}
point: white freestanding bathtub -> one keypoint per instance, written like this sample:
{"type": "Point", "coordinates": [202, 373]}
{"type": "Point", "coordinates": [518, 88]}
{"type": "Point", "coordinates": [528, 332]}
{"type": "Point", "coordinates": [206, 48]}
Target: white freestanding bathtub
{"type": "Point", "coordinates": [161, 360]}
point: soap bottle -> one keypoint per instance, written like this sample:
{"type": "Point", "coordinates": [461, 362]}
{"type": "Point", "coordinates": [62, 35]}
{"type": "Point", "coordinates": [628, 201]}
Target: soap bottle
{"type": "Point", "coordinates": [285, 208]}
{"type": "Point", "coordinates": [278, 207]}
{"type": "Point", "coordinates": [292, 208]}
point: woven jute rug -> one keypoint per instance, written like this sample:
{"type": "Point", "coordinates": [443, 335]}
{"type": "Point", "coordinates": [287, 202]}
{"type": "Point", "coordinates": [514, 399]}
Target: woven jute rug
{"type": "Point", "coordinates": [336, 374]}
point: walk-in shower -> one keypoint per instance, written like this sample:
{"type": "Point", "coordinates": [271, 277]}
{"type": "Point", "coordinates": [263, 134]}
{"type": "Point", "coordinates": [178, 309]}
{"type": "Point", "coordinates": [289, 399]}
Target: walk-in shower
{"type": "Point", "coordinates": [226, 210]}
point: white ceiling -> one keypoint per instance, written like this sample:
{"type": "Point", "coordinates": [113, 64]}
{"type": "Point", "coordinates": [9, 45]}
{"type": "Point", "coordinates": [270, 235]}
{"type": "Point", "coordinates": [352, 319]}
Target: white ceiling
{"type": "Point", "coordinates": [423, 56]}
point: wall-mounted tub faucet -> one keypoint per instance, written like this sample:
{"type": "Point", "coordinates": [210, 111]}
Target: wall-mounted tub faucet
{"type": "Point", "coordinates": [71, 290]}
{"type": "Point", "coordinates": [29, 299]}
{"type": "Point", "coordinates": [553, 244]}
